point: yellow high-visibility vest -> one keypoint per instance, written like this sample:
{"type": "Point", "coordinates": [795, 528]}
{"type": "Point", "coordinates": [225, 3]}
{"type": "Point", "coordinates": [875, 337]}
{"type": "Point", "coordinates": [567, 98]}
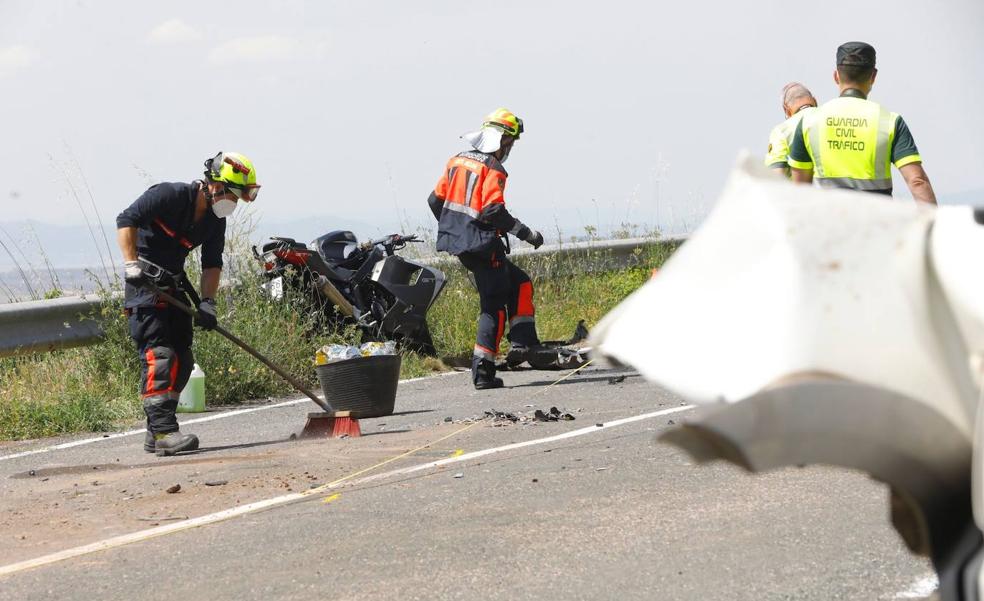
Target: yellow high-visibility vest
{"type": "Point", "coordinates": [781, 137]}
{"type": "Point", "coordinates": [850, 141]}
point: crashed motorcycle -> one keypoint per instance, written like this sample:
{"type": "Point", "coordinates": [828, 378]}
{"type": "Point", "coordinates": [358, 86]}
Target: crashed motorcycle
{"type": "Point", "coordinates": [368, 285]}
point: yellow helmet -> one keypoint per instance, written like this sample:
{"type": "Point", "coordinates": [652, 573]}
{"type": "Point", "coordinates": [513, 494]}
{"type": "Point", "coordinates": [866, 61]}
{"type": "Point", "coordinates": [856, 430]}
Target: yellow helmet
{"type": "Point", "coordinates": [236, 172]}
{"type": "Point", "coordinates": [505, 121]}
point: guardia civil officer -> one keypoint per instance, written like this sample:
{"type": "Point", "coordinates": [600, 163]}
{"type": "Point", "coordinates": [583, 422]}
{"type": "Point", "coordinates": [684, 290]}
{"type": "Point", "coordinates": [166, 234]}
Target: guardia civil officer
{"type": "Point", "coordinates": [162, 227]}
{"type": "Point", "coordinates": [797, 101]}
{"type": "Point", "coordinates": [469, 205]}
{"type": "Point", "coordinates": [851, 142]}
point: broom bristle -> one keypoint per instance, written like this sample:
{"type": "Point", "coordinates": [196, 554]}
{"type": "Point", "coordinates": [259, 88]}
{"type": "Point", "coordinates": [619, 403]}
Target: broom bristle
{"type": "Point", "coordinates": [331, 425]}
{"type": "Point", "coordinates": [345, 425]}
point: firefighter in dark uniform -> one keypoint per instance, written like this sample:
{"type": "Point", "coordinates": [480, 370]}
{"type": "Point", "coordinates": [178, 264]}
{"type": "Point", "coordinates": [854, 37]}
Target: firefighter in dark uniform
{"type": "Point", "coordinates": [162, 227]}
{"type": "Point", "coordinates": [473, 221]}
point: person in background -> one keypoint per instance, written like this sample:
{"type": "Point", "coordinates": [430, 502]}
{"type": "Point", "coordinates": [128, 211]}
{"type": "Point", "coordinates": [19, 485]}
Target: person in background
{"type": "Point", "coordinates": [797, 101]}
{"type": "Point", "coordinates": [473, 222]}
{"type": "Point", "coordinates": [851, 142]}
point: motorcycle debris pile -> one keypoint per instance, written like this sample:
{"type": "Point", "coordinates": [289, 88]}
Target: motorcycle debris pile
{"type": "Point", "coordinates": [330, 353]}
{"type": "Point", "coordinates": [538, 415]}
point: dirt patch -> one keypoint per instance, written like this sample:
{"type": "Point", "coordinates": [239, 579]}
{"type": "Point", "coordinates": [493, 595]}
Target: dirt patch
{"type": "Point", "coordinates": [59, 507]}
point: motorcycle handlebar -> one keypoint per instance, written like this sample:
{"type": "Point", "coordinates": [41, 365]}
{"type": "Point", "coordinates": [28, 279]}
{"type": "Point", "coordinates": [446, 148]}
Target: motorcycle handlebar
{"type": "Point", "coordinates": [393, 240]}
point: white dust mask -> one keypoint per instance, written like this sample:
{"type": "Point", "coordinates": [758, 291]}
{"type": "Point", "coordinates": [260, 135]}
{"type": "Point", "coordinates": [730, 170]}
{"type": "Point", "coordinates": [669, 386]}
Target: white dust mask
{"type": "Point", "coordinates": [223, 208]}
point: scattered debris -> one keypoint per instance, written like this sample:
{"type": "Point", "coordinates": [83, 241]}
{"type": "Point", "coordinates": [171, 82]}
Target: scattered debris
{"type": "Point", "coordinates": [536, 480]}
{"type": "Point", "coordinates": [448, 419]}
{"type": "Point", "coordinates": [600, 469]}
{"type": "Point", "coordinates": [670, 422]}
{"type": "Point", "coordinates": [173, 489]}
{"type": "Point", "coordinates": [216, 482]}
{"type": "Point", "coordinates": [459, 475]}
{"type": "Point", "coordinates": [164, 518]}
{"type": "Point", "coordinates": [616, 379]}
{"type": "Point", "coordinates": [501, 416]}
{"type": "Point", "coordinates": [32, 473]}
{"type": "Point", "coordinates": [600, 425]}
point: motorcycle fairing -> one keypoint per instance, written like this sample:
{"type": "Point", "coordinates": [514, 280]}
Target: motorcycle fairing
{"type": "Point", "coordinates": [414, 287]}
{"type": "Point", "coordinates": [835, 327]}
{"type": "Point", "coordinates": [783, 279]}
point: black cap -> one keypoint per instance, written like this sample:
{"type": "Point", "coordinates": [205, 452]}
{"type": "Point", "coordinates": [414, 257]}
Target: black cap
{"type": "Point", "coordinates": [856, 54]}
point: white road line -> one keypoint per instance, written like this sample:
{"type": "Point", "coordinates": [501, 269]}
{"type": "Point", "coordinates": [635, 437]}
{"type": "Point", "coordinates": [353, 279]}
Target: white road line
{"type": "Point", "coordinates": [226, 514]}
{"type": "Point", "coordinates": [920, 589]}
{"type": "Point", "coordinates": [520, 445]}
{"type": "Point", "coordinates": [198, 420]}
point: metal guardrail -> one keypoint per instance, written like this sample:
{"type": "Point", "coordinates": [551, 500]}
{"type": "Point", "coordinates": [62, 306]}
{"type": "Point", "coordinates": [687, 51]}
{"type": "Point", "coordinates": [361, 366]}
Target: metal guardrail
{"type": "Point", "coordinates": [47, 325]}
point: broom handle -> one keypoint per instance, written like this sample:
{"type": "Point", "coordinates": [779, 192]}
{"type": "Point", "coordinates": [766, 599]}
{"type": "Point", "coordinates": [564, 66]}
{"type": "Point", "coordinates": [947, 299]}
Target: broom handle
{"type": "Point", "coordinates": [235, 340]}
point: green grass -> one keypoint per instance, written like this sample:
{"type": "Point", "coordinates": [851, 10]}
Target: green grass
{"type": "Point", "coordinates": [94, 388]}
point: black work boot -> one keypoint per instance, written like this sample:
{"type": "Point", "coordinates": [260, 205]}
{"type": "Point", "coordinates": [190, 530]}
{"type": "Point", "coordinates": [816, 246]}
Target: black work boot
{"type": "Point", "coordinates": [483, 375]}
{"type": "Point", "coordinates": [174, 442]}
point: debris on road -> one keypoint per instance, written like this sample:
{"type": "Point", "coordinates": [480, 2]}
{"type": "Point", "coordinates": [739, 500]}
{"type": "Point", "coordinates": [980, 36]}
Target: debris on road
{"type": "Point", "coordinates": [448, 418]}
{"type": "Point", "coordinates": [173, 489]}
{"type": "Point", "coordinates": [163, 519]}
{"type": "Point", "coordinates": [501, 416]}
{"type": "Point", "coordinates": [459, 475]}
{"type": "Point", "coordinates": [616, 379]}
{"type": "Point", "coordinates": [551, 416]}
{"type": "Point", "coordinates": [216, 482]}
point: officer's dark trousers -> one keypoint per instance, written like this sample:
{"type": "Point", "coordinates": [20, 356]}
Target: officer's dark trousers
{"type": "Point", "coordinates": [163, 338]}
{"type": "Point", "coordinates": [505, 293]}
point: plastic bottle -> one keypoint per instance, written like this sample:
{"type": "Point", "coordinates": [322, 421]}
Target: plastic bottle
{"type": "Point", "coordinates": [192, 399]}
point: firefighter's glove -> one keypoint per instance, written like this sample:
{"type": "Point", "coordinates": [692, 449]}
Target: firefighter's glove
{"type": "Point", "coordinates": [205, 318]}
{"type": "Point", "coordinates": [536, 239]}
{"type": "Point", "coordinates": [133, 273]}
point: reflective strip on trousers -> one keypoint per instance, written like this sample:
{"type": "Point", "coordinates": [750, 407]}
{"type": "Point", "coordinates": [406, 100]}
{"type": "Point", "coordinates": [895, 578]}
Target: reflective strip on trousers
{"type": "Point", "coordinates": [521, 319]}
{"type": "Point", "coordinates": [483, 353]}
{"type": "Point", "coordinates": [865, 185]}
{"type": "Point", "coordinates": [460, 208]}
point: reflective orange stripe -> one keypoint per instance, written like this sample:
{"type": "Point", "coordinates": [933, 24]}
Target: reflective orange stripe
{"type": "Point", "coordinates": [524, 306]}
{"type": "Point", "coordinates": [470, 183]}
{"type": "Point", "coordinates": [183, 241]}
{"type": "Point", "coordinates": [151, 370]}
{"type": "Point", "coordinates": [152, 374]}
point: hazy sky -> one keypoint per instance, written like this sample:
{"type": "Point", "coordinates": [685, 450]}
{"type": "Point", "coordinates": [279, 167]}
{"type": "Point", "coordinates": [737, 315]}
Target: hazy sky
{"type": "Point", "coordinates": [353, 108]}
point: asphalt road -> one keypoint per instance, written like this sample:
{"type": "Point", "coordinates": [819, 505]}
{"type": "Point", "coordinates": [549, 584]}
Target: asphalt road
{"type": "Point", "coordinates": [601, 513]}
